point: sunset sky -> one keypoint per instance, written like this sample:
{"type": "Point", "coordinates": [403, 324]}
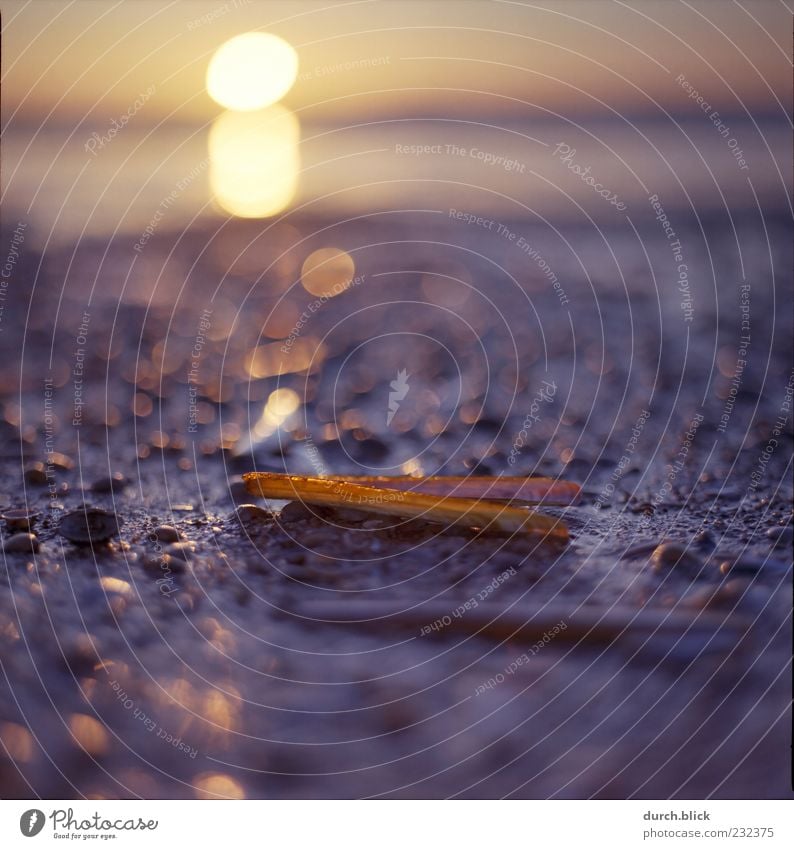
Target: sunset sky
{"type": "Point", "coordinates": [369, 58]}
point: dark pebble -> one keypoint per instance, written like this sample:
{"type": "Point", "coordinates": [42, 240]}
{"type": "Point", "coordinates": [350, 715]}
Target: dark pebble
{"type": "Point", "coordinates": [162, 564]}
{"type": "Point", "coordinates": [20, 520]}
{"type": "Point", "coordinates": [296, 511]}
{"type": "Point", "coordinates": [87, 525]}
{"type": "Point", "coordinates": [752, 566]}
{"type": "Point", "coordinates": [60, 461]}
{"type": "Point", "coordinates": [725, 595]}
{"type": "Point", "coordinates": [36, 473]}
{"type": "Point", "coordinates": [249, 515]}
{"type": "Point", "coordinates": [642, 549]}
{"type": "Point", "coordinates": [781, 537]}
{"type": "Point", "coordinates": [703, 538]}
{"type": "Point", "coordinates": [79, 654]}
{"type": "Point", "coordinates": [671, 555]}
{"type": "Point", "coordinates": [21, 544]}
{"type": "Point", "coordinates": [477, 466]}
{"type": "Point", "coordinates": [166, 533]}
{"type": "Point", "coordinates": [348, 514]}
{"type": "Point", "coordinates": [181, 550]}
{"type": "Point", "coordinates": [115, 481]}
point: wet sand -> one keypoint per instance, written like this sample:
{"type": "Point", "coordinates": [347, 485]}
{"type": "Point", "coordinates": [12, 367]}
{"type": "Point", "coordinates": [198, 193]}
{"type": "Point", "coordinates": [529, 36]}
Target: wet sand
{"type": "Point", "coordinates": [203, 663]}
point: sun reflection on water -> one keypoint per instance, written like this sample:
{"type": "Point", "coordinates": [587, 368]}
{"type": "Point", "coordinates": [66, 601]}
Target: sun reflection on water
{"type": "Point", "coordinates": [255, 161]}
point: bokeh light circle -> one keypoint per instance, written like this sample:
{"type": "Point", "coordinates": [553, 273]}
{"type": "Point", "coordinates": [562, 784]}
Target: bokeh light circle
{"type": "Point", "coordinates": [251, 71]}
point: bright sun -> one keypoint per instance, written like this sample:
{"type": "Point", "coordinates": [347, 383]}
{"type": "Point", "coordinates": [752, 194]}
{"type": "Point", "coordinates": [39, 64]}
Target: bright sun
{"type": "Point", "coordinates": [251, 71]}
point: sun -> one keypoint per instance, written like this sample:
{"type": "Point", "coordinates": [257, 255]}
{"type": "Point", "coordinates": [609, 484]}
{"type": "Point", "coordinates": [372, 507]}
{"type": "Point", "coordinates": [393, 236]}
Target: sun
{"type": "Point", "coordinates": [251, 71]}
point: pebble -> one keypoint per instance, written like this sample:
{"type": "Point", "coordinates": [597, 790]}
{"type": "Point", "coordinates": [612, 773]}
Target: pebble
{"type": "Point", "coordinates": [80, 654]}
{"type": "Point", "coordinates": [782, 537]}
{"type": "Point", "coordinates": [21, 519]}
{"type": "Point", "coordinates": [181, 550]}
{"type": "Point", "coordinates": [21, 543]}
{"type": "Point", "coordinates": [731, 565]}
{"type": "Point", "coordinates": [163, 564]}
{"type": "Point", "coordinates": [60, 461]}
{"type": "Point", "coordinates": [704, 538]}
{"type": "Point", "coordinates": [108, 484]}
{"type": "Point", "coordinates": [249, 514]}
{"type": "Point", "coordinates": [166, 533]}
{"type": "Point", "coordinates": [295, 511]}
{"type": "Point", "coordinates": [671, 555]}
{"type": "Point", "coordinates": [87, 525]}
{"type": "Point", "coordinates": [726, 595]}
{"type": "Point", "coordinates": [642, 549]}
{"type": "Point", "coordinates": [348, 514]}
{"type": "Point", "coordinates": [36, 473]}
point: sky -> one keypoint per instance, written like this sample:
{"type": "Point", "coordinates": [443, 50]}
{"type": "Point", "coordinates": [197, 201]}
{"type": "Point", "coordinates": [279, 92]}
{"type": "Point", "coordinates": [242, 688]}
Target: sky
{"type": "Point", "coordinates": [89, 61]}
{"type": "Point", "coordinates": [106, 107]}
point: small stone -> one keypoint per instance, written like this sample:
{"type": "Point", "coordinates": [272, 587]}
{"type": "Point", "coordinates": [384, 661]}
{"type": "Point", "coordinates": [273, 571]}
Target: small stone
{"type": "Point", "coordinates": [181, 550]}
{"type": "Point", "coordinates": [21, 519]}
{"type": "Point", "coordinates": [115, 481]}
{"type": "Point", "coordinates": [251, 515]}
{"type": "Point", "coordinates": [80, 654]}
{"type": "Point", "coordinates": [21, 544]}
{"type": "Point", "coordinates": [349, 515]}
{"type": "Point", "coordinates": [36, 473]}
{"type": "Point", "coordinates": [671, 555]}
{"type": "Point", "coordinates": [748, 565]}
{"type": "Point", "coordinates": [704, 538]}
{"type": "Point", "coordinates": [782, 537]}
{"type": "Point", "coordinates": [60, 461]}
{"type": "Point", "coordinates": [166, 533]}
{"type": "Point", "coordinates": [642, 549]}
{"type": "Point", "coordinates": [163, 564]}
{"type": "Point", "coordinates": [87, 525]}
{"type": "Point", "coordinates": [722, 596]}
{"type": "Point", "coordinates": [295, 511]}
